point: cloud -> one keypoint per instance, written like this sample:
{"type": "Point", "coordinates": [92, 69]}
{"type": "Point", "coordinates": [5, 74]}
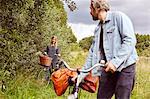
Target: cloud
{"type": "Point", "coordinates": [82, 14]}
{"type": "Point", "coordinates": [82, 30]}
{"type": "Point", "coordinates": [137, 10]}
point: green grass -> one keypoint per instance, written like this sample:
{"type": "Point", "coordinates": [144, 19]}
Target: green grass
{"type": "Point", "coordinates": [142, 84]}
{"type": "Point", "coordinates": [27, 87]}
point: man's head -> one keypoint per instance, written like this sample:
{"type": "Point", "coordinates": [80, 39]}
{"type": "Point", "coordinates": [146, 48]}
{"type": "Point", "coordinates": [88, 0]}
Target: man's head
{"type": "Point", "coordinates": [97, 7]}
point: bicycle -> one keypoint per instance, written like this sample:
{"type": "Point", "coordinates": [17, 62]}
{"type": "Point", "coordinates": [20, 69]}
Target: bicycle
{"type": "Point", "coordinates": [47, 70]}
{"type": "Point", "coordinates": [74, 94]}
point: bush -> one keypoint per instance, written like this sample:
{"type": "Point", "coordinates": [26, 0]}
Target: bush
{"type": "Point", "coordinates": [26, 27]}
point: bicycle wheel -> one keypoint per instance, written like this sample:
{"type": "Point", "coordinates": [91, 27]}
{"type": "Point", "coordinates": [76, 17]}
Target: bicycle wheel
{"type": "Point", "coordinates": [44, 77]}
{"type": "Point", "coordinates": [41, 75]}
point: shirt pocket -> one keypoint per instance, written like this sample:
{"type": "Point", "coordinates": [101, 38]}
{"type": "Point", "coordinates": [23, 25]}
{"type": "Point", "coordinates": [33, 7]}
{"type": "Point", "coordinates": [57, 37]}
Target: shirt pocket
{"type": "Point", "coordinates": [111, 29]}
{"type": "Point", "coordinates": [110, 32]}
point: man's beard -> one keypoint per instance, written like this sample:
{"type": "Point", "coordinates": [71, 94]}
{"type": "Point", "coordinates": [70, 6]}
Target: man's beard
{"type": "Point", "coordinates": [94, 18]}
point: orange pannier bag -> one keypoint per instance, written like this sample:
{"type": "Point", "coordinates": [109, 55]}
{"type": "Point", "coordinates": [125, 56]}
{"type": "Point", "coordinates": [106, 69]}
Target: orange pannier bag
{"type": "Point", "coordinates": [90, 83]}
{"type": "Point", "coordinates": [60, 80]}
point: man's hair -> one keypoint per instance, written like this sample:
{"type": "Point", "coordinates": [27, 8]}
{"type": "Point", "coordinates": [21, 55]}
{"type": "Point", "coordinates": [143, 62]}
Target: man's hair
{"type": "Point", "coordinates": [102, 4]}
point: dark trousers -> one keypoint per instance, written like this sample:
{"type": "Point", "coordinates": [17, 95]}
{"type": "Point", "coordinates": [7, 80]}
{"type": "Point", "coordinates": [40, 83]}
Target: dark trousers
{"type": "Point", "coordinates": [118, 83]}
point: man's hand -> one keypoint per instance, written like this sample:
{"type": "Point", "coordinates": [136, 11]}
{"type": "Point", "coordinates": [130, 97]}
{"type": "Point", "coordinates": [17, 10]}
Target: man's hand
{"type": "Point", "coordinates": [110, 67]}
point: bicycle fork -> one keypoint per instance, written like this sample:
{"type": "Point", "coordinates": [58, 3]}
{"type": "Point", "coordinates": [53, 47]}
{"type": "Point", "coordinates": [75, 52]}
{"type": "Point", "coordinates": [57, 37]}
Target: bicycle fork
{"type": "Point", "coordinates": [74, 95]}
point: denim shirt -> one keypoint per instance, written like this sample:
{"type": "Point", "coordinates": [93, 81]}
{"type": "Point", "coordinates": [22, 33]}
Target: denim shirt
{"type": "Point", "coordinates": [118, 41]}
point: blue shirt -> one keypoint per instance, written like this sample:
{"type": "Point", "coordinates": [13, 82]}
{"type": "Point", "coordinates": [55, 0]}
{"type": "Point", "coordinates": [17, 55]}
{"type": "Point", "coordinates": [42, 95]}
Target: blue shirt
{"type": "Point", "coordinates": [118, 41]}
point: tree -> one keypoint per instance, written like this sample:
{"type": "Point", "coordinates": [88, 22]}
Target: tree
{"type": "Point", "coordinates": [25, 28]}
{"type": "Point", "coordinates": [71, 5]}
{"type": "Point", "coordinates": [85, 43]}
{"type": "Point", "coordinates": [142, 46]}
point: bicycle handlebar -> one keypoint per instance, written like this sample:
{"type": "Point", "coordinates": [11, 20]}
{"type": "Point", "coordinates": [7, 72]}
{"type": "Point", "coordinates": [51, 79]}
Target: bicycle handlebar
{"type": "Point", "coordinates": [79, 79]}
{"type": "Point", "coordinates": [84, 71]}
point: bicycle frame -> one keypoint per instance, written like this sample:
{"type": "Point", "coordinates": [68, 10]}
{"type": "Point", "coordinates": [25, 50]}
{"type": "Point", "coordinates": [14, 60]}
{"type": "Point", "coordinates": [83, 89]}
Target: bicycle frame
{"type": "Point", "coordinates": [75, 94]}
{"type": "Point", "coordinates": [46, 70]}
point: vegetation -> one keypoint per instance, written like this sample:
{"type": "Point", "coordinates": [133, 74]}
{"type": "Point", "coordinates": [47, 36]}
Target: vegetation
{"type": "Point", "coordinates": [26, 87]}
{"type": "Point", "coordinates": [86, 42]}
{"type": "Point", "coordinates": [25, 29]}
{"type": "Point", "coordinates": [142, 46]}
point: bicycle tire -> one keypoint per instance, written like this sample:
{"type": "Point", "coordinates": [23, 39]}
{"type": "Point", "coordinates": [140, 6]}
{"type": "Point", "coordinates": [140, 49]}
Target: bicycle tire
{"type": "Point", "coordinates": [42, 77]}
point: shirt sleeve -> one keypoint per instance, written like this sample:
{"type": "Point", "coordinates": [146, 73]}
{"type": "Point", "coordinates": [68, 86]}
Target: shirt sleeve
{"type": "Point", "coordinates": [46, 50]}
{"type": "Point", "coordinates": [58, 50]}
{"type": "Point", "coordinates": [88, 62]}
{"type": "Point", "coordinates": [128, 39]}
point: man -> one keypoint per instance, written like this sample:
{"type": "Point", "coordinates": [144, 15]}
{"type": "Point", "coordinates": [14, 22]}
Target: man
{"type": "Point", "coordinates": [114, 41]}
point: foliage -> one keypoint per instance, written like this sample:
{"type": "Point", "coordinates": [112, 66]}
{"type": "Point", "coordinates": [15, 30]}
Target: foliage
{"type": "Point", "coordinates": [71, 4]}
{"type": "Point", "coordinates": [26, 87]}
{"type": "Point", "coordinates": [77, 58]}
{"type": "Point", "coordinates": [85, 43]}
{"type": "Point", "coordinates": [142, 46]}
{"type": "Point", "coordinates": [25, 28]}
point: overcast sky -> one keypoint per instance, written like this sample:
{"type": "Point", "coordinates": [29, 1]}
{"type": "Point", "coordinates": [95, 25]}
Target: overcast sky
{"type": "Point", "coordinates": [83, 25]}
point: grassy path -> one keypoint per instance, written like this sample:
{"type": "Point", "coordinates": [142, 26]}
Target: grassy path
{"type": "Point", "coordinates": [26, 87]}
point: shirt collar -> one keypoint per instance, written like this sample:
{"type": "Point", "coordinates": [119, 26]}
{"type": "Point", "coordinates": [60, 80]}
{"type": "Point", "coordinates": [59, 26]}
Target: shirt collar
{"type": "Point", "coordinates": [108, 16]}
